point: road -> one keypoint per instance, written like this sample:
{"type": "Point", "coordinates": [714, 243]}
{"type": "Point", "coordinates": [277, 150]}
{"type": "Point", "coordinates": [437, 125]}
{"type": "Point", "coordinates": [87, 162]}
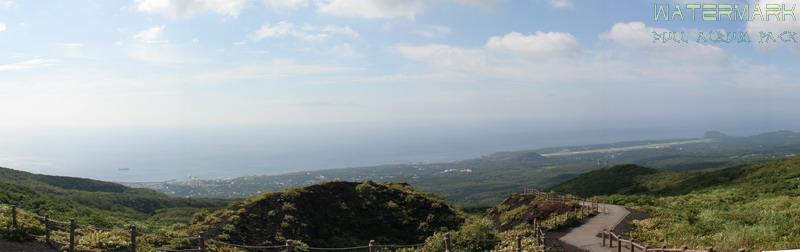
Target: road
{"type": "Point", "coordinates": [585, 237]}
{"type": "Point", "coordinates": [628, 148]}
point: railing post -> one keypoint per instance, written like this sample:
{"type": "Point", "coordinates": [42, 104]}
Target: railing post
{"type": "Point", "coordinates": [632, 247]}
{"type": "Point", "coordinates": [603, 235]}
{"type": "Point", "coordinates": [133, 238]}
{"type": "Point", "coordinates": [619, 244]}
{"type": "Point", "coordinates": [289, 246]}
{"type": "Point", "coordinates": [14, 217]}
{"type": "Point", "coordinates": [201, 242]}
{"type": "Point", "coordinates": [47, 229]}
{"type": "Point", "coordinates": [519, 243]}
{"type": "Point", "coordinates": [447, 242]}
{"type": "Point", "coordinates": [371, 245]}
{"type": "Point", "coordinates": [72, 227]}
{"type": "Point", "coordinates": [684, 248]}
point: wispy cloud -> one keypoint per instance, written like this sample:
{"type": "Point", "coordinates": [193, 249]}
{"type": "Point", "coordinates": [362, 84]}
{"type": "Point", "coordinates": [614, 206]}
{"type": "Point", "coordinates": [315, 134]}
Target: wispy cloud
{"type": "Point", "coordinates": [190, 8]}
{"type": "Point", "coordinates": [27, 64]}
{"type": "Point", "coordinates": [308, 32]}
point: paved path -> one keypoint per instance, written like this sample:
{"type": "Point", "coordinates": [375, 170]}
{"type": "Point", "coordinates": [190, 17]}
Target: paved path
{"type": "Point", "coordinates": [585, 237]}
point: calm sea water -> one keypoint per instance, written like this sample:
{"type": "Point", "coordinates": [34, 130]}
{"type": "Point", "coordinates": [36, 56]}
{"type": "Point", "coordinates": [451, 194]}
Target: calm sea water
{"type": "Point", "coordinates": [150, 154]}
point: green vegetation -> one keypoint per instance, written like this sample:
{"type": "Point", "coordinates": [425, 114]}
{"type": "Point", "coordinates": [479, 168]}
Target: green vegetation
{"type": "Point", "coordinates": [103, 211]}
{"type": "Point", "coordinates": [333, 214]}
{"type": "Point", "coordinates": [620, 179]}
{"type": "Point", "coordinates": [103, 204]}
{"type": "Point", "coordinates": [755, 206]}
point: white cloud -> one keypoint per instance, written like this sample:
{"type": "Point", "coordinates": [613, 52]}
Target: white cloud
{"type": "Point", "coordinates": [285, 29]}
{"type": "Point", "coordinates": [150, 45]}
{"type": "Point", "coordinates": [7, 3]}
{"type": "Point", "coordinates": [339, 30]}
{"type": "Point", "coordinates": [558, 4]}
{"type": "Point", "coordinates": [151, 35]}
{"type": "Point", "coordinates": [308, 32]}
{"type": "Point", "coordinates": [539, 43]}
{"type": "Point", "coordinates": [190, 8]}
{"type": "Point", "coordinates": [444, 57]}
{"type": "Point", "coordinates": [372, 8]}
{"type": "Point", "coordinates": [639, 37]}
{"type": "Point", "coordinates": [755, 27]}
{"type": "Point", "coordinates": [3, 27]}
{"type": "Point", "coordinates": [483, 4]}
{"type": "Point", "coordinates": [27, 64]}
{"type": "Point", "coordinates": [433, 31]}
{"type": "Point", "coordinates": [287, 5]}
{"type": "Point", "coordinates": [548, 57]}
{"type": "Point", "coordinates": [273, 70]}
{"type": "Point", "coordinates": [73, 50]}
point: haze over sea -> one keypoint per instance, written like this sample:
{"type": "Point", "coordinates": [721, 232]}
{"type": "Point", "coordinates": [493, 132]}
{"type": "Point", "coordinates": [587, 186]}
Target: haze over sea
{"type": "Point", "coordinates": [149, 154]}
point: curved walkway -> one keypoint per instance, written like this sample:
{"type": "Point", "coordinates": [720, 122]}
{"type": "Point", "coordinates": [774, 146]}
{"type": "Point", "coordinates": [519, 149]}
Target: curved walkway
{"type": "Point", "coordinates": [585, 237]}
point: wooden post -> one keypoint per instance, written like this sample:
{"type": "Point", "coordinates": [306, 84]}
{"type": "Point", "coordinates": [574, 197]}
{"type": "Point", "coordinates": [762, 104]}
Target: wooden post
{"type": "Point", "coordinates": [610, 239]}
{"type": "Point", "coordinates": [47, 229]}
{"type": "Point", "coordinates": [603, 235]}
{"type": "Point", "coordinates": [619, 244]}
{"type": "Point", "coordinates": [133, 238]}
{"type": "Point", "coordinates": [447, 243]}
{"type": "Point", "coordinates": [72, 227]}
{"type": "Point", "coordinates": [684, 248]}
{"type": "Point", "coordinates": [201, 242]}
{"type": "Point", "coordinates": [289, 246]}
{"type": "Point", "coordinates": [371, 245]}
{"type": "Point", "coordinates": [710, 249]}
{"type": "Point", "coordinates": [519, 243]}
{"type": "Point", "coordinates": [632, 247]}
{"type": "Point", "coordinates": [14, 217]}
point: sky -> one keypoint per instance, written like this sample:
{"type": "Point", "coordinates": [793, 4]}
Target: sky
{"type": "Point", "coordinates": [221, 88]}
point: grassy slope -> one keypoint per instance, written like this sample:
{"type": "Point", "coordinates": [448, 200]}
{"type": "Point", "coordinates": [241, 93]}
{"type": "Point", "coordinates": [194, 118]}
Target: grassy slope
{"type": "Point", "coordinates": [754, 206]}
{"type": "Point", "coordinates": [617, 179]}
{"type": "Point", "coordinates": [91, 201]}
{"type": "Point", "coordinates": [333, 214]}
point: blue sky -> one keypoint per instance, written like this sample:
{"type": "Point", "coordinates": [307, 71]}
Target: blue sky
{"type": "Point", "coordinates": [305, 67]}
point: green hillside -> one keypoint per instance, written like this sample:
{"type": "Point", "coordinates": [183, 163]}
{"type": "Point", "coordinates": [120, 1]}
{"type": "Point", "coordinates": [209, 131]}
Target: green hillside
{"type": "Point", "coordinates": [101, 203]}
{"type": "Point", "coordinates": [333, 214]}
{"type": "Point", "coordinates": [621, 179]}
{"type": "Point", "coordinates": [754, 206]}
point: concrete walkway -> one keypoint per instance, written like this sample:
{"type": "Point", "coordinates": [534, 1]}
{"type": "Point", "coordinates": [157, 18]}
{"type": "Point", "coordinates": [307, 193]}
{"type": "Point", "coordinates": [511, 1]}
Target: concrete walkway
{"type": "Point", "coordinates": [586, 236]}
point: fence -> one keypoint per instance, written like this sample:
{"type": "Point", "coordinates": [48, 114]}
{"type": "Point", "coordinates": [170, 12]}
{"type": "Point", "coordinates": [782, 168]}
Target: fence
{"type": "Point", "coordinates": [586, 209]}
{"type": "Point", "coordinates": [70, 230]}
{"type": "Point", "coordinates": [632, 246]}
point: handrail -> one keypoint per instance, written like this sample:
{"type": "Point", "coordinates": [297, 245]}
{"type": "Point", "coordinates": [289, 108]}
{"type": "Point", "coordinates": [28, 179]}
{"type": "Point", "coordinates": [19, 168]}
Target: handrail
{"type": "Point", "coordinates": [632, 244]}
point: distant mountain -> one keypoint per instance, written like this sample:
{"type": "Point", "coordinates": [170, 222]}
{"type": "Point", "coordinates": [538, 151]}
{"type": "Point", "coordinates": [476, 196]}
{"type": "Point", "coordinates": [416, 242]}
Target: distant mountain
{"type": "Point", "coordinates": [101, 203]}
{"type": "Point", "coordinates": [333, 214]}
{"type": "Point", "coordinates": [714, 135]}
{"type": "Point", "coordinates": [487, 180]}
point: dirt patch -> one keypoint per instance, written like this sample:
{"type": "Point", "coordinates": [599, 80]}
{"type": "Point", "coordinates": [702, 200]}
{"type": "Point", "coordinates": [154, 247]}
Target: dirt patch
{"type": "Point", "coordinates": [626, 226]}
{"type": "Point", "coordinates": [24, 247]}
